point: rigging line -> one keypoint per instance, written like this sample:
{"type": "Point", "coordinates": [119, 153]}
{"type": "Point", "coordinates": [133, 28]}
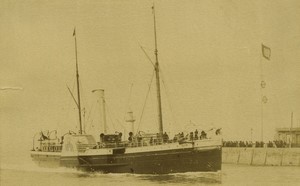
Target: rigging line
{"type": "Point", "coordinates": [84, 100]}
{"type": "Point", "coordinates": [149, 49]}
{"type": "Point", "coordinates": [68, 108]}
{"type": "Point", "coordinates": [110, 115]}
{"type": "Point", "coordinates": [118, 121]}
{"type": "Point", "coordinates": [147, 55]}
{"type": "Point", "coordinates": [73, 96]}
{"type": "Point", "coordinates": [167, 95]}
{"type": "Point", "coordinates": [90, 110]}
{"type": "Point", "coordinates": [83, 94]}
{"type": "Point", "coordinates": [89, 115]}
{"type": "Point", "coordinates": [145, 100]}
{"type": "Point", "coordinates": [69, 103]}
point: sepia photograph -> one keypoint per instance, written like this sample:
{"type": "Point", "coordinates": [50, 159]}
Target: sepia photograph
{"type": "Point", "coordinates": [152, 92]}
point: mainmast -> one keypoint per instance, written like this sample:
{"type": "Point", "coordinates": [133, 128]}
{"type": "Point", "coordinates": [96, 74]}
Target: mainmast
{"type": "Point", "coordinates": [156, 67]}
{"type": "Point", "coordinates": [78, 91]}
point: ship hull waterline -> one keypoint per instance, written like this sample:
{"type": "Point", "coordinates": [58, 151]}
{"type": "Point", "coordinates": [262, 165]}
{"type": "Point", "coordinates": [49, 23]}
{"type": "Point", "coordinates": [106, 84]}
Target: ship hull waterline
{"type": "Point", "coordinates": [157, 162]}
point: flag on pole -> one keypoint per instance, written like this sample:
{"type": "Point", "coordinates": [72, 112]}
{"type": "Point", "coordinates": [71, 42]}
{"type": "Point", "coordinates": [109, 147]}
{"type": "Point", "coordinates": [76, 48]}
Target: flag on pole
{"type": "Point", "coordinates": [74, 33]}
{"type": "Point", "coordinates": [266, 51]}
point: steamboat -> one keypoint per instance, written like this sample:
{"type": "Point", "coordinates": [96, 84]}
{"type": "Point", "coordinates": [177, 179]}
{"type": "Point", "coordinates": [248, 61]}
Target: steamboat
{"type": "Point", "coordinates": [142, 153]}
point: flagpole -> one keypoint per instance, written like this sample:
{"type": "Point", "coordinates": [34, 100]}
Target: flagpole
{"type": "Point", "coordinates": [261, 101]}
{"type": "Point", "coordinates": [77, 80]}
{"type": "Point", "coordinates": [266, 53]}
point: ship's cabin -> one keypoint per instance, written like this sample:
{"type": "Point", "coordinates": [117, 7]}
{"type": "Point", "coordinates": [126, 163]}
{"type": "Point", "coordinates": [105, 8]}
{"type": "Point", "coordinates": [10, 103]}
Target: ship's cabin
{"type": "Point", "coordinates": [151, 139]}
{"type": "Point", "coordinates": [51, 143]}
{"type": "Point", "coordinates": [140, 139]}
{"type": "Point", "coordinates": [47, 142]}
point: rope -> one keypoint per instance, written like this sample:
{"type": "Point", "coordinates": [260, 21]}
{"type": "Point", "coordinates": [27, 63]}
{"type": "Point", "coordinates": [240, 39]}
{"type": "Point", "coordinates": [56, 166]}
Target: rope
{"type": "Point", "coordinates": [167, 95]}
{"type": "Point", "coordinates": [110, 116]}
{"type": "Point", "coordinates": [147, 55]}
{"type": "Point", "coordinates": [84, 100]}
{"type": "Point", "coordinates": [146, 100]}
{"type": "Point", "coordinates": [68, 108]}
{"type": "Point", "coordinates": [88, 125]}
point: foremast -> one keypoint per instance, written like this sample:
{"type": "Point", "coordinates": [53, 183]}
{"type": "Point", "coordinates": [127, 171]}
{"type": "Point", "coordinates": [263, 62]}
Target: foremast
{"type": "Point", "coordinates": [77, 80]}
{"type": "Point", "coordinates": [156, 67]}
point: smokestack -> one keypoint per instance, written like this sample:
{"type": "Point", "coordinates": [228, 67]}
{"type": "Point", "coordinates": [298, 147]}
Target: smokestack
{"type": "Point", "coordinates": [101, 101]}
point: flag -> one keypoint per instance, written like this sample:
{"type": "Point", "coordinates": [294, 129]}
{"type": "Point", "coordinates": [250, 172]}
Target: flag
{"type": "Point", "coordinates": [266, 51]}
{"type": "Point", "coordinates": [74, 33]}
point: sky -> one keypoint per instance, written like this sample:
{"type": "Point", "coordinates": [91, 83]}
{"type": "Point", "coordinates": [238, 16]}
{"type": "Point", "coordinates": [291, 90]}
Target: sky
{"type": "Point", "coordinates": [209, 53]}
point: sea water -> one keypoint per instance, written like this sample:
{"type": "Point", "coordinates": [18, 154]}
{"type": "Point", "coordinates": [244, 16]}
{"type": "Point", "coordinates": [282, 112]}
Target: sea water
{"type": "Point", "coordinates": [17, 168]}
{"type": "Point", "coordinates": [31, 175]}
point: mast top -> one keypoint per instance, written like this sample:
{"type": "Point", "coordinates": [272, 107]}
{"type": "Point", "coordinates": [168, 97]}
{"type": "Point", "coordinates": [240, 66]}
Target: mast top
{"type": "Point", "coordinates": [155, 36]}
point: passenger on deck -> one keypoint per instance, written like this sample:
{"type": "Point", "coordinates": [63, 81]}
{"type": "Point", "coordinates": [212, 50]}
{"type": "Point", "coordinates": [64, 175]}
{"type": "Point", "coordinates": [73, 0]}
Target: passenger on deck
{"type": "Point", "coordinates": [165, 137]}
{"type": "Point", "coordinates": [120, 137]}
{"type": "Point", "coordinates": [130, 136]}
{"type": "Point", "coordinates": [218, 131]}
{"type": "Point", "coordinates": [191, 136]}
{"type": "Point", "coordinates": [139, 138]}
{"type": "Point", "coordinates": [181, 135]}
{"type": "Point", "coordinates": [62, 140]}
{"type": "Point", "coordinates": [203, 135]}
{"type": "Point", "coordinates": [101, 137]}
{"type": "Point", "coordinates": [176, 137]}
{"type": "Point", "coordinates": [151, 141]}
{"type": "Point", "coordinates": [196, 134]}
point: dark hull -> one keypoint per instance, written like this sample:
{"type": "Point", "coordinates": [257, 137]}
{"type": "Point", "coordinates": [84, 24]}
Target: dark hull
{"type": "Point", "coordinates": [159, 162]}
{"type": "Point", "coordinates": [163, 162]}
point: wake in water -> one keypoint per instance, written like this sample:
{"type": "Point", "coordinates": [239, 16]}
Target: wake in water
{"type": "Point", "coordinates": [32, 167]}
{"type": "Point", "coordinates": [185, 178]}
{"type": "Point", "coordinates": [174, 178]}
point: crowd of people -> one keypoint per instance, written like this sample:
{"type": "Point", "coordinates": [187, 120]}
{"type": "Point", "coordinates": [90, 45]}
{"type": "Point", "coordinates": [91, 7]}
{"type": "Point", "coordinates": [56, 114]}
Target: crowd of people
{"type": "Point", "coordinates": [142, 138]}
{"type": "Point", "coordinates": [191, 136]}
{"type": "Point", "coordinates": [180, 137]}
{"type": "Point", "coordinates": [275, 144]}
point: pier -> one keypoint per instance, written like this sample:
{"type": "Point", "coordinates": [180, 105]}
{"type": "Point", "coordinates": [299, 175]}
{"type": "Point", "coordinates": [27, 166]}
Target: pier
{"type": "Point", "coordinates": [261, 156]}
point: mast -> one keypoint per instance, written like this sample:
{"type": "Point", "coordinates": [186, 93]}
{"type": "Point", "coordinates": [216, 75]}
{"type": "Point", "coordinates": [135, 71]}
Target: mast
{"type": "Point", "coordinates": [156, 67]}
{"type": "Point", "coordinates": [77, 80]}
